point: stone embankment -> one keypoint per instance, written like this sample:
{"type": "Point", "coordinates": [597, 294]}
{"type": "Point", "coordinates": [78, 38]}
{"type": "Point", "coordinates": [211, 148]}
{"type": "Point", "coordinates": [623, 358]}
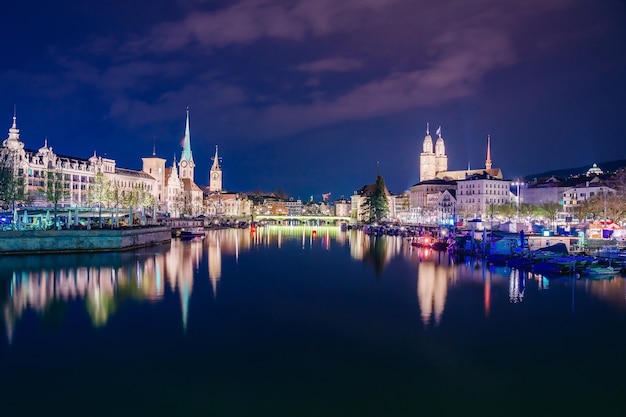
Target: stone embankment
{"type": "Point", "coordinates": [94, 240]}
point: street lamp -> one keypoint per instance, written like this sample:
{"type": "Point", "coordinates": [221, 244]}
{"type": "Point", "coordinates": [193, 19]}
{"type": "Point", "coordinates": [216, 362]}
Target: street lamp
{"type": "Point", "coordinates": [518, 183]}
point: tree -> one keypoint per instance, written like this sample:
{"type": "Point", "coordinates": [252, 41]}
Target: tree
{"type": "Point", "coordinates": [12, 183]}
{"type": "Point", "coordinates": [549, 211]}
{"type": "Point", "coordinates": [55, 189]}
{"type": "Point", "coordinates": [507, 210]}
{"type": "Point", "coordinates": [186, 204]}
{"type": "Point", "coordinates": [138, 197]}
{"type": "Point", "coordinates": [376, 205]}
{"type": "Point", "coordinates": [12, 188]}
{"type": "Point", "coordinates": [98, 193]}
{"type": "Point", "coordinates": [115, 195]}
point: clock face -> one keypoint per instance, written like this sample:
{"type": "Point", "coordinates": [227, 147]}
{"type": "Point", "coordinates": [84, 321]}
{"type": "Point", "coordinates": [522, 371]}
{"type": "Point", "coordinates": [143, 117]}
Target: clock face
{"type": "Point", "coordinates": [183, 164]}
{"type": "Point", "coordinates": [215, 175]}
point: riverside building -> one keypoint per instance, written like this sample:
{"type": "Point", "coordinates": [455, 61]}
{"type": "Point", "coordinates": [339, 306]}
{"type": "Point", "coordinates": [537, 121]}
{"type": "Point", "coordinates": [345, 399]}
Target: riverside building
{"type": "Point", "coordinates": [160, 189]}
{"type": "Point", "coordinates": [470, 192]}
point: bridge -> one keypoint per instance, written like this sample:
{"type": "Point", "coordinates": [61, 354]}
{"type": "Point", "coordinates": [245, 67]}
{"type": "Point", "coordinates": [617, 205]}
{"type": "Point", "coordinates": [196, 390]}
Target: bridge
{"type": "Point", "coordinates": [303, 220]}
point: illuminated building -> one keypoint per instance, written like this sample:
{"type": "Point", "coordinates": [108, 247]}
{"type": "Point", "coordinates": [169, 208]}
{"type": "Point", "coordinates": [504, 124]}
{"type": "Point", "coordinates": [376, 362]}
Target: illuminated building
{"type": "Point", "coordinates": [75, 174]}
{"type": "Point", "coordinates": [171, 192]}
{"type": "Point", "coordinates": [342, 208]}
{"type": "Point", "coordinates": [192, 198]}
{"type": "Point", "coordinates": [432, 161]}
{"type": "Point", "coordinates": [476, 189]}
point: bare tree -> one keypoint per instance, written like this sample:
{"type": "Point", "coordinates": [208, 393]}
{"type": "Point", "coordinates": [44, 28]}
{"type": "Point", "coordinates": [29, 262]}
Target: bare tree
{"type": "Point", "coordinates": [98, 193]}
{"type": "Point", "coordinates": [12, 182]}
{"type": "Point", "coordinates": [55, 189]}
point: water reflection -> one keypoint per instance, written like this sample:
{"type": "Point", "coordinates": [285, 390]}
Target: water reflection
{"type": "Point", "coordinates": [101, 282]}
{"type": "Point", "coordinates": [435, 273]}
{"type": "Point", "coordinates": [516, 286]}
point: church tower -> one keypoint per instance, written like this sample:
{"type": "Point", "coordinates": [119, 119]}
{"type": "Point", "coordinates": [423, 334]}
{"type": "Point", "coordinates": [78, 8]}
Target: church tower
{"type": "Point", "coordinates": [427, 158]}
{"type": "Point", "coordinates": [441, 160]}
{"type": "Point", "coordinates": [488, 161]}
{"type": "Point", "coordinates": [186, 164]}
{"type": "Point", "coordinates": [215, 183]}
{"type": "Point", "coordinates": [155, 167]}
{"type": "Point", "coordinates": [173, 191]}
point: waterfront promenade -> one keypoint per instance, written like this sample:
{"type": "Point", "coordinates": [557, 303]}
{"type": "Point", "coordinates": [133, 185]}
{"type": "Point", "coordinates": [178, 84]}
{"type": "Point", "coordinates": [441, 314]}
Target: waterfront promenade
{"type": "Point", "coordinates": [72, 240]}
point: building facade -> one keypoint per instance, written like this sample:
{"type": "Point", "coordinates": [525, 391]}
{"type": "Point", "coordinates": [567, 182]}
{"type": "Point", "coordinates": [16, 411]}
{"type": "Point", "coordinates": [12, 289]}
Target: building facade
{"type": "Point", "coordinates": [478, 194]}
{"type": "Point", "coordinates": [43, 168]}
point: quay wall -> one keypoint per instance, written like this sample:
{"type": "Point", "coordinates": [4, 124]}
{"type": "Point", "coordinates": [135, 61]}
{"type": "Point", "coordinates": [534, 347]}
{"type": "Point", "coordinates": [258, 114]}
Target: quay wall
{"type": "Point", "coordinates": [94, 240]}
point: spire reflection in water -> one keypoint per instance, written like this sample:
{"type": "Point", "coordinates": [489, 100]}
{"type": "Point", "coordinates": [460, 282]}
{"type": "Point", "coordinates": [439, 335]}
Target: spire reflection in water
{"type": "Point", "coordinates": [346, 321]}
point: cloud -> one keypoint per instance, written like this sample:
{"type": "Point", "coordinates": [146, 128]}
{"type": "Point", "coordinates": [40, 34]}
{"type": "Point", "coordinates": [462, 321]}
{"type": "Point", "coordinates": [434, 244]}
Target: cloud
{"type": "Point", "coordinates": [401, 56]}
{"type": "Point", "coordinates": [251, 20]}
{"type": "Point", "coordinates": [330, 64]}
{"type": "Point", "coordinates": [465, 59]}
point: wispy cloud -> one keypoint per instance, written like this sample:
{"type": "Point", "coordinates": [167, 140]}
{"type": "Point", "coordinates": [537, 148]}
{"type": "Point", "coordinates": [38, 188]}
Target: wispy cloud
{"type": "Point", "coordinates": [251, 20]}
{"type": "Point", "coordinates": [346, 60]}
{"type": "Point", "coordinates": [330, 64]}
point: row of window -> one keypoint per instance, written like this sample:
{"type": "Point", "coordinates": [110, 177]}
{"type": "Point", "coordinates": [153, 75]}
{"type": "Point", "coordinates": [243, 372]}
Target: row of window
{"type": "Point", "coordinates": [471, 192]}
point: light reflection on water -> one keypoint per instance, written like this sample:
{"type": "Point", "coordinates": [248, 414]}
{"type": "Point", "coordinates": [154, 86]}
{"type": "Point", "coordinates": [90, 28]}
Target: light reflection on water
{"type": "Point", "coordinates": [101, 280]}
{"type": "Point", "coordinates": [303, 321]}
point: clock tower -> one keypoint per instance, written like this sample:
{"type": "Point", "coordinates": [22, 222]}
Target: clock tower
{"type": "Point", "coordinates": [215, 176]}
{"type": "Point", "coordinates": [186, 166]}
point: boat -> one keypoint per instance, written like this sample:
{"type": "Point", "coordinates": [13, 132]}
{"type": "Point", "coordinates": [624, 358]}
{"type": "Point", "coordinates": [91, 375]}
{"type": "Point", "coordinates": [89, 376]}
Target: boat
{"type": "Point", "coordinates": [440, 245]}
{"type": "Point", "coordinates": [422, 241]}
{"type": "Point", "coordinates": [548, 268]}
{"type": "Point", "coordinates": [192, 233]}
{"type": "Point", "coordinates": [597, 271]}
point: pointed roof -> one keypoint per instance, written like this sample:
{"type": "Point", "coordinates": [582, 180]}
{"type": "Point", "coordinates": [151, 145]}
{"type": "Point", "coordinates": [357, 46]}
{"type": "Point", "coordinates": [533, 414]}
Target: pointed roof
{"type": "Point", "coordinates": [14, 132]}
{"type": "Point", "coordinates": [174, 170]}
{"type": "Point", "coordinates": [488, 161]}
{"type": "Point", "coordinates": [186, 154]}
{"type": "Point", "coordinates": [216, 161]}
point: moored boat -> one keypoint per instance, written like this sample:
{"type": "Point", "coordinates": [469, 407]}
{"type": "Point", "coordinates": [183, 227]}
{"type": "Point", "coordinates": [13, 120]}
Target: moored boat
{"type": "Point", "coordinates": [599, 271]}
{"type": "Point", "coordinates": [192, 233]}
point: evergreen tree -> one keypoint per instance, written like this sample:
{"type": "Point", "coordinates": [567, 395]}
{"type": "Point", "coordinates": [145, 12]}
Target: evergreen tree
{"type": "Point", "coordinates": [376, 205]}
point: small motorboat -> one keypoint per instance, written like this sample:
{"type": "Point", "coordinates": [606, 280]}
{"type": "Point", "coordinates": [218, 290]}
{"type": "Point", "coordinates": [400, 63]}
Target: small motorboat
{"type": "Point", "coordinates": [599, 271]}
{"type": "Point", "coordinates": [192, 233]}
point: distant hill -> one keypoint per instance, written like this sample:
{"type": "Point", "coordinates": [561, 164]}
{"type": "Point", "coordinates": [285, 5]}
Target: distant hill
{"type": "Point", "coordinates": [568, 172]}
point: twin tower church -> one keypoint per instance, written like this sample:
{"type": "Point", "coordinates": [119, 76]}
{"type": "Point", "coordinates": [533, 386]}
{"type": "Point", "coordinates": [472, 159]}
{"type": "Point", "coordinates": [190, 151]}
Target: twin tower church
{"type": "Point", "coordinates": [434, 161]}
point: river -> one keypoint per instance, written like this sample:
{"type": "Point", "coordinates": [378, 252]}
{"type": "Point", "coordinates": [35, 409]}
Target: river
{"type": "Point", "coordinates": [302, 321]}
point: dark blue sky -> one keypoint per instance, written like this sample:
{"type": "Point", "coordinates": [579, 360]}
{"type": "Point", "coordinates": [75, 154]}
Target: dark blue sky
{"type": "Point", "coordinates": [308, 95]}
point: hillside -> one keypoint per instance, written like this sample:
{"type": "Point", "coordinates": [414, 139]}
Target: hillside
{"type": "Point", "coordinates": [609, 166]}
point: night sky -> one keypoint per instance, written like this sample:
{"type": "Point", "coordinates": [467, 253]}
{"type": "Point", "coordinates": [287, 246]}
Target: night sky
{"type": "Point", "coordinates": [313, 96]}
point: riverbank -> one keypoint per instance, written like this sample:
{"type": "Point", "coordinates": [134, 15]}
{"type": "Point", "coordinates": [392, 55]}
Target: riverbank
{"type": "Point", "coordinates": [70, 241]}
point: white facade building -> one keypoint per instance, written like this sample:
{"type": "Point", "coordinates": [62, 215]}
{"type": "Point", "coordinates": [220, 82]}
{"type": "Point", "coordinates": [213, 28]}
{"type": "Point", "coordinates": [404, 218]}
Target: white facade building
{"type": "Point", "coordinates": [478, 193]}
{"type": "Point", "coordinates": [74, 174]}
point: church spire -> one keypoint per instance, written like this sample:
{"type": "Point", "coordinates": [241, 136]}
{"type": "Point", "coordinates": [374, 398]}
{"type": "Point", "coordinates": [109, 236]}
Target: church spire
{"type": "Point", "coordinates": [488, 161]}
{"type": "Point", "coordinates": [216, 161]}
{"type": "Point", "coordinates": [174, 169]}
{"type": "Point", "coordinates": [186, 155]}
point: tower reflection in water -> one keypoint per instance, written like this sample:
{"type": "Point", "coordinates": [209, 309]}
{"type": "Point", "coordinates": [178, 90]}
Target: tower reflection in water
{"type": "Point", "coordinates": [103, 281]}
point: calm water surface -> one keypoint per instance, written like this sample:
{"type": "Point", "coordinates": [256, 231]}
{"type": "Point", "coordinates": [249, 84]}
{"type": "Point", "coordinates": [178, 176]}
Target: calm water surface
{"type": "Point", "coordinates": [297, 322]}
